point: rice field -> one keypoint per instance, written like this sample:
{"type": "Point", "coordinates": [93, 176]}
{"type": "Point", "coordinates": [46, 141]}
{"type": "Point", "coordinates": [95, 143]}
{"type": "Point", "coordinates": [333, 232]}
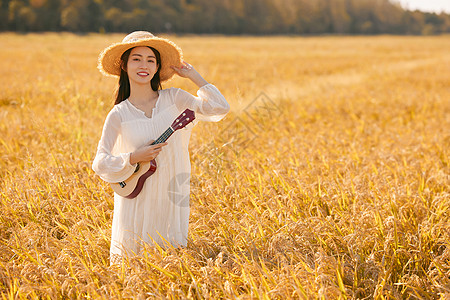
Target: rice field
{"type": "Point", "coordinates": [329, 178]}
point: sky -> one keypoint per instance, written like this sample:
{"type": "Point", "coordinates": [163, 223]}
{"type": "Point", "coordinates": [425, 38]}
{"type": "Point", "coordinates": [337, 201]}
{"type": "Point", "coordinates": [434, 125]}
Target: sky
{"type": "Point", "coordinates": [436, 6]}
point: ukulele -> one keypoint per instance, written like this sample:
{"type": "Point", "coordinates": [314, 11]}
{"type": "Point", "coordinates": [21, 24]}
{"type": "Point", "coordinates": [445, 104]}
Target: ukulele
{"type": "Point", "coordinates": [132, 186]}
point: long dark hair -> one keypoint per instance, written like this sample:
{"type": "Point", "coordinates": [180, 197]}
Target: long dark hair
{"type": "Point", "coordinates": [123, 88]}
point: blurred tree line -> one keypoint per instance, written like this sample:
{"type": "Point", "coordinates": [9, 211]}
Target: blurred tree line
{"type": "Point", "coordinates": [220, 16]}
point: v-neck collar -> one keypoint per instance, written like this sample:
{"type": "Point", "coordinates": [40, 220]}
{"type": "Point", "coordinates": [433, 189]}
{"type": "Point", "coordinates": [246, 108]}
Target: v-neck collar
{"type": "Point", "coordinates": [143, 112]}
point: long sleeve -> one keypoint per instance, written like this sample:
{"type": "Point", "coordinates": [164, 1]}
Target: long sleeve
{"type": "Point", "coordinates": [210, 105]}
{"type": "Point", "coordinates": [111, 168]}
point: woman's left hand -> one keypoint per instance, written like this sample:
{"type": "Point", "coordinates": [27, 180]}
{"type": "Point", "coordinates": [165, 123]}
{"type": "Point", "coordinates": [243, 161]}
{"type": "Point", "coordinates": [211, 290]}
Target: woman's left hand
{"type": "Point", "coordinates": [187, 71]}
{"type": "Point", "coordinates": [184, 70]}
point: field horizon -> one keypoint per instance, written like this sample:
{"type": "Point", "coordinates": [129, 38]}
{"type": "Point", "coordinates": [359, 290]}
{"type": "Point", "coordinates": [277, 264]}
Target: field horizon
{"type": "Point", "coordinates": [328, 179]}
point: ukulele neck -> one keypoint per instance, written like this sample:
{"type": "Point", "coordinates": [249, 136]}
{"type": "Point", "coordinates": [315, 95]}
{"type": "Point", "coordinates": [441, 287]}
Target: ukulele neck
{"type": "Point", "coordinates": [163, 137]}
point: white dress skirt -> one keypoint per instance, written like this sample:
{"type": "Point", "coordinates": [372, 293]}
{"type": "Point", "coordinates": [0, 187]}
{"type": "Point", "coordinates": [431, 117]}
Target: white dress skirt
{"type": "Point", "coordinates": [160, 213]}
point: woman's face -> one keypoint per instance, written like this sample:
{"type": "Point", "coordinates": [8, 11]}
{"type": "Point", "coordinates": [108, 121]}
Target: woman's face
{"type": "Point", "coordinates": [141, 65]}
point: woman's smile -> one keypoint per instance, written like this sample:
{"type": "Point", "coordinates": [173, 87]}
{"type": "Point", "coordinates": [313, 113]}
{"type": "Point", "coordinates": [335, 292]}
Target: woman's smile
{"type": "Point", "coordinates": [143, 74]}
{"type": "Point", "coordinates": [142, 65]}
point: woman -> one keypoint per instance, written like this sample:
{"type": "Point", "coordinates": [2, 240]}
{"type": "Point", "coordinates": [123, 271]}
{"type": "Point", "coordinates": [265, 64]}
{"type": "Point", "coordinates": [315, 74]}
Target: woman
{"type": "Point", "coordinates": [142, 112]}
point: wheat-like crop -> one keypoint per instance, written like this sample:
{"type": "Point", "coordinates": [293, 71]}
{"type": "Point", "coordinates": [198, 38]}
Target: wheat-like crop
{"type": "Point", "coordinates": [328, 179]}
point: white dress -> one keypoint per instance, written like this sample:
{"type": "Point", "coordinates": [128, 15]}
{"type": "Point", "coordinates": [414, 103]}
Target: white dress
{"type": "Point", "coordinates": [160, 213]}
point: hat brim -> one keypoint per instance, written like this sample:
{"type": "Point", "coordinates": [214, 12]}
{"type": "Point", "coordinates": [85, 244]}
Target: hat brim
{"type": "Point", "coordinates": [171, 55]}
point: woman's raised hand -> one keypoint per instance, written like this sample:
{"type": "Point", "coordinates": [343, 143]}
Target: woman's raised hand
{"type": "Point", "coordinates": [186, 70]}
{"type": "Point", "coordinates": [146, 153]}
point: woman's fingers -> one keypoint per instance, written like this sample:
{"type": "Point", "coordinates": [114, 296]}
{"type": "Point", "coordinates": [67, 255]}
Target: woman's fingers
{"type": "Point", "coordinates": [184, 69]}
{"type": "Point", "coordinates": [154, 150]}
{"type": "Point", "coordinates": [187, 65]}
{"type": "Point", "coordinates": [147, 152]}
{"type": "Point", "coordinates": [158, 146]}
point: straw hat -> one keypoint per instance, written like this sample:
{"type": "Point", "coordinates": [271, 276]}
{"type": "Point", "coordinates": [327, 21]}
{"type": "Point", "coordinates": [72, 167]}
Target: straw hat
{"type": "Point", "coordinates": [171, 54]}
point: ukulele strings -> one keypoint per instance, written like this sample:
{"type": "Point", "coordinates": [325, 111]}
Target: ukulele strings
{"type": "Point", "coordinates": [164, 136]}
{"type": "Point", "coordinates": [169, 131]}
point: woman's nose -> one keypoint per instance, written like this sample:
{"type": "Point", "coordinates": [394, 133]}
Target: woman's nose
{"type": "Point", "coordinates": [145, 64]}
